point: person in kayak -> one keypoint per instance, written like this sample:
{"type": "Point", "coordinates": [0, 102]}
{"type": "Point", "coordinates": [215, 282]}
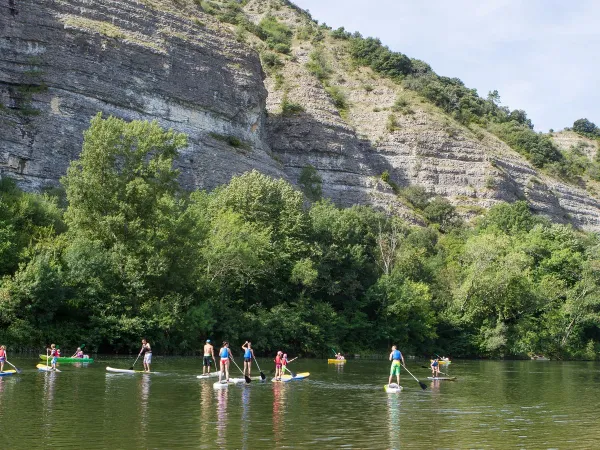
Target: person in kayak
{"type": "Point", "coordinates": [339, 357]}
{"type": "Point", "coordinates": [3, 356]}
{"type": "Point", "coordinates": [209, 356]}
{"type": "Point", "coordinates": [435, 368]}
{"type": "Point", "coordinates": [225, 354]}
{"type": "Point", "coordinates": [395, 357]}
{"type": "Point", "coordinates": [147, 352]}
{"type": "Point", "coordinates": [248, 355]}
{"type": "Point", "coordinates": [78, 353]}
{"type": "Point", "coordinates": [278, 361]}
{"type": "Point", "coordinates": [54, 354]}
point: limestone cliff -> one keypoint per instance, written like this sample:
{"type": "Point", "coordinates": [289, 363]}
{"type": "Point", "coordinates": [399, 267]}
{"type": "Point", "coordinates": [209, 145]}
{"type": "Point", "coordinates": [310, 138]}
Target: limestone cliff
{"type": "Point", "coordinates": [62, 61]}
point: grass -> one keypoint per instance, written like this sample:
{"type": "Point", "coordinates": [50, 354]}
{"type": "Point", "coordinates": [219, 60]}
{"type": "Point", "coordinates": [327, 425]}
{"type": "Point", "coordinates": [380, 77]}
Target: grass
{"type": "Point", "coordinates": [232, 141]}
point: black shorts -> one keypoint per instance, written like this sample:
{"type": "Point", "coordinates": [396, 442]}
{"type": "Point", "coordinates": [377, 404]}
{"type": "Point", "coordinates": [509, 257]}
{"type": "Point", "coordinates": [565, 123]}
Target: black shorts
{"type": "Point", "coordinates": [247, 359]}
{"type": "Point", "coordinates": [207, 361]}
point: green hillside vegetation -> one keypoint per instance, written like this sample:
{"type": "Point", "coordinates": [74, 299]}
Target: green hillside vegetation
{"type": "Point", "coordinates": [123, 252]}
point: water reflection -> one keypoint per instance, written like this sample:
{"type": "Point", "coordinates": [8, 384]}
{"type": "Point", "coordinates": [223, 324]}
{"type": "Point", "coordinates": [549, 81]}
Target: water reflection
{"type": "Point", "coordinates": [245, 415]}
{"type": "Point", "coordinates": [206, 400]}
{"type": "Point", "coordinates": [279, 394]}
{"type": "Point", "coordinates": [222, 417]}
{"type": "Point", "coordinates": [144, 385]}
{"type": "Point", "coordinates": [393, 407]}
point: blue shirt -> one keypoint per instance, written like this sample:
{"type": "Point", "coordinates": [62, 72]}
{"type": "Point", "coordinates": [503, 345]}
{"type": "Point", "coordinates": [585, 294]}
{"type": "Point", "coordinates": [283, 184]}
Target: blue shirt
{"type": "Point", "coordinates": [396, 355]}
{"type": "Point", "coordinates": [247, 353]}
{"type": "Point", "coordinates": [224, 353]}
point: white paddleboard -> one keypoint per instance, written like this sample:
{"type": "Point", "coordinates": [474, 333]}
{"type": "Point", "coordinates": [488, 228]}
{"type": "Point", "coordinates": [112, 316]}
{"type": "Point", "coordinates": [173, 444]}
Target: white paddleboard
{"type": "Point", "coordinates": [392, 388]}
{"type": "Point", "coordinates": [208, 375]}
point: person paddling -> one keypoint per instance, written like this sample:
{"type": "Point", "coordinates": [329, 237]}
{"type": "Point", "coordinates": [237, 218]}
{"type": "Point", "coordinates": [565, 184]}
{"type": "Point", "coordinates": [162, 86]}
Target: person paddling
{"type": "Point", "coordinates": [248, 355]}
{"type": "Point", "coordinates": [78, 353]}
{"type": "Point", "coordinates": [147, 352]}
{"type": "Point", "coordinates": [395, 357]}
{"type": "Point", "coordinates": [3, 357]}
{"type": "Point", "coordinates": [225, 354]}
{"type": "Point", "coordinates": [435, 368]}
{"type": "Point", "coordinates": [54, 354]}
{"type": "Point", "coordinates": [209, 355]}
{"type": "Point", "coordinates": [278, 365]}
{"type": "Point", "coordinates": [339, 357]}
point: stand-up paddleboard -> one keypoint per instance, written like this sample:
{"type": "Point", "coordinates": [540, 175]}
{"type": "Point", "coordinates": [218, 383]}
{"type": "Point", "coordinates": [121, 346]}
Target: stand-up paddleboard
{"type": "Point", "coordinates": [284, 379]}
{"type": "Point", "coordinates": [301, 376]}
{"type": "Point", "coordinates": [392, 388]}
{"type": "Point", "coordinates": [113, 370]}
{"type": "Point", "coordinates": [45, 368]}
{"type": "Point", "coordinates": [222, 384]}
{"type": "Point", "coordinates": [7, 373]}
{"type": "Point", "coordinates": [442, 378]}
{"type": "Point", "coordinates": [208, 375]}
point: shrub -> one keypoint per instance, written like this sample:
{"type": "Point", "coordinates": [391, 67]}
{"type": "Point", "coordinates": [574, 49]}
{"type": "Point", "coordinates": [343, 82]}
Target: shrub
{"type": "Point", "coordinates": [339, 98]}
{"type": "Point", "coordinates": [585, 127]}
{"type": "Point", "coordinates": [277, 35]}
{"type": "Point", "coordinates": [392, 123]}
{"type": "Point", "coordinates": [311, 183]}
{"type": "Point", "coordinates": [317, 64]}
{"type": "Point", "coordinates": [270, 60]}
{"type": "Point", "coordinates": [289, 108]}
{"type": "Point", "coordinates": [416, 195]}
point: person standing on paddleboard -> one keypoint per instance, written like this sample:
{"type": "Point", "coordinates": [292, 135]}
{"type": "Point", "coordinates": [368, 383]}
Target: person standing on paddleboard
{"type": "Point", "coordinates": [395, 357]}
{"type": "Point", "coordinates": [224, 354]}
{"type": "Point", "coordinates": [248, 355]}
{"type": "Point", "coordinates": [54, 354]}
{"type": "Point", "coordinates": [3, 357]}
{"type": "Point", "coordinates": [435, 368]}
{"type": "Point", "coordinates": [209, 356]}
{"type": "Point", "coordinates": [278, 361]}
{"type": "Point", "coordinates": [147, 352]}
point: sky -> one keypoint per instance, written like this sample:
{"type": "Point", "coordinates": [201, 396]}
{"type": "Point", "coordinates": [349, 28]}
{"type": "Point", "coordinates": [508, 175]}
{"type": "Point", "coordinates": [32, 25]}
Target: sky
{"type": "Point", "coordinates": [542, 56]}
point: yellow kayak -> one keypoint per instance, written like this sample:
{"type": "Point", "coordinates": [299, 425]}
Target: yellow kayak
{"type": "Point", "coordinates": [443, 362]}
{"type": "Point", "coordinates": [336, 361]}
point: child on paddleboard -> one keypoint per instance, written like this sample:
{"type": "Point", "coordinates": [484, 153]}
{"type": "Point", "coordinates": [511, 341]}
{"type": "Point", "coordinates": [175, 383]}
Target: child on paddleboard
{"type": "Point", "coordinates": [3, 357]}
{"type": "Point", "coordinates": [395, 358]}
{"type": "Point", "coordinates": [284, 363]}
{"type": "Point", "coordinates": [278, 365]}
{"type": "Point", "coordinates": [54, 354]}
{"type": "Point", "coordinates": [248, 355]}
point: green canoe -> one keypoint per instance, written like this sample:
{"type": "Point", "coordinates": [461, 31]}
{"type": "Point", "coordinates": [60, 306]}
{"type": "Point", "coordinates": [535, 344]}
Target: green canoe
{"type": "Point", "coordinates": [68, 360]}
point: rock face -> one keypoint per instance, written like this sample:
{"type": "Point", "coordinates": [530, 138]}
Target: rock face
{"type": "Point", "coordinates": [62, 61]}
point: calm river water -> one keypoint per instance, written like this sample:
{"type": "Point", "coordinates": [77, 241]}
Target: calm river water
{"type": "Point", "coordinates": [516, 404]}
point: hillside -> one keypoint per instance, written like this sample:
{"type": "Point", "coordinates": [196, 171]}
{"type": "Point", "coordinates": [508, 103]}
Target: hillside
{"type": "Point", "coordinates": [256, 84]}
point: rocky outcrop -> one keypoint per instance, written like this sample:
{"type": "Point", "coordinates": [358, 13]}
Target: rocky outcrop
{"type": "Point", "coordinates": [63, 61]}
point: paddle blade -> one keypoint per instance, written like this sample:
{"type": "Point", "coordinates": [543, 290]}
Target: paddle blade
{"type": "Point", "coordinates": [423, 385]}
{"type": "Point", "coordinates": [262, 376]}
{"type": "Point", "coordinates": [131, 368]}
{"type": "Point", "coordinates": [248, 379]}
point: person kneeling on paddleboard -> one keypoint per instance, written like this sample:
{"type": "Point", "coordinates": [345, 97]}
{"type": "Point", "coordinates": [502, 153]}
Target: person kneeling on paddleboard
{"type": "Point", "coordinates": [395, 357]}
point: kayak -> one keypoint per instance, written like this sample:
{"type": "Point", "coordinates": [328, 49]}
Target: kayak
{"type": "Point", "coordinates": [284, 379]}
{"type": "Point", "coordinates": [113, 370]}
{"type": "Point", "coordinates": [66, 359]}
{"type": "Point", "coordinates": [442, 378]}
{"type": "Point", "coordinates": [392, 388]}
{"type": "Point", "coordinates": [301, 376]}
{"type": "Point", "coordinates": [45, 368]}
{"type": "Point", "coordinates": [336, 361]}
{"type": "Point", "coordinates": [7, 373]}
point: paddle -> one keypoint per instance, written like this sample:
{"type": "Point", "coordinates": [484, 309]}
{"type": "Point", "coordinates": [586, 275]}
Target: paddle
{"type": "Point", "coordinates": [47, 358]}
{"type": "Point", "coordinates": [246, 377]}
{"type": "Point", "coordinates": [138, 357]}
{"type": "Point", "coordinates": [262, 375]}
{"type": "Point", "coordinates": [10, 364]}
{"type": "Point", "coordinates": [423, 385]}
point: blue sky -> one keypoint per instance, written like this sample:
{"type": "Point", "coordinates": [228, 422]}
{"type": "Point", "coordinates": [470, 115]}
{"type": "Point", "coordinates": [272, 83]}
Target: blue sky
{"type": "Point", "coordinates": [541, 55]}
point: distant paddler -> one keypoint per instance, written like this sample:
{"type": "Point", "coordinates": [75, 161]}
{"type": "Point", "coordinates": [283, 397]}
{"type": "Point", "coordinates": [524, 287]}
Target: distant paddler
{"type": "Point", "coordinates": [54, 354]}
{"type": "Point", "coordinates": [396, 358]}
{"type": "Point", "coordinates": [435, 368]}
{"type": "Point", "coordinates": [278, 365]}
{"type": "Point", "coordinates": [209, 356]}
{"type": "Point", "coordinates": [146, 350]}
{"type": "Point", "coordinates": [248, 356]}
{"type": "Point", "coordinates": [339, 357]}
{"type": "Point", "coordinates": [224, 354]}
{"type": "Point", "coordinates": [3, 357]}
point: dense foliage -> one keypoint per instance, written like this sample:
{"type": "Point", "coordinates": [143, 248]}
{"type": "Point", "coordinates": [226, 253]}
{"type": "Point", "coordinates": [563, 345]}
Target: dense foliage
{"type": "Point", "coordinates": [131, 255]}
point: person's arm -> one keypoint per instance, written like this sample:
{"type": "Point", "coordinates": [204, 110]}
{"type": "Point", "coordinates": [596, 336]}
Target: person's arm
{"type": "Point", "coordinates": [390, 358]}
{"type": "Point", "coordinates": [252, 352]}
{"type": "Point", "coordinates": [402, 356]}
{"type": "Point", "coordinates": [244, 346]}
{"type": "Point", "coordinates": [212, 351]}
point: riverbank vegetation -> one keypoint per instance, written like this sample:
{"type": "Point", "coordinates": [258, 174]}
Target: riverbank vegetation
{"type": "Point", "coordinates": [122, 252]}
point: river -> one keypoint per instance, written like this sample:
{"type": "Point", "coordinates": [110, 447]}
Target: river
{"type": "Point", "coordinates": [493, 404]}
